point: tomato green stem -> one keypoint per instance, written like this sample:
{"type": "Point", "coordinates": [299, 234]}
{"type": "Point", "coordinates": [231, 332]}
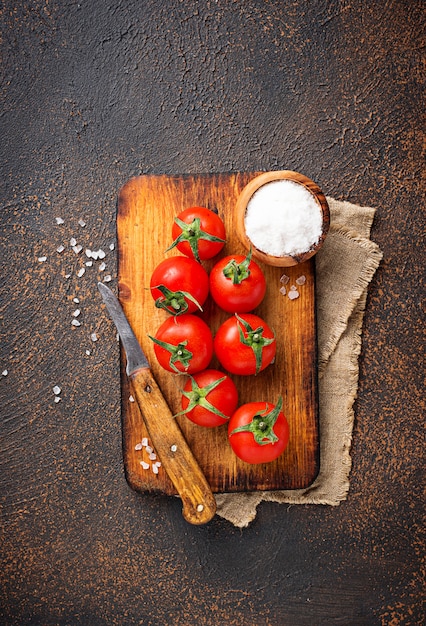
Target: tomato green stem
{"type": "Point", "coordinates": [198, 397]}
{"type": "Point", "coordinates": [192, 233]}
{"type": "Point", "coordinates": [237, 272]}
{"type": "Point", "coordinates": [253, 339]}
{"type": "Point", "coordinates": [178, 354]}
{"type": "Point", "coordinates": [262, 425]}
{"type": "Point", "coordinates": [174, 302]}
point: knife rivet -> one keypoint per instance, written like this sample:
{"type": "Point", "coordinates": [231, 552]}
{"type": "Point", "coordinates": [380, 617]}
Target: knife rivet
{"type": "Point", "coordinates": [148, 389]}
{"type": "Point", "coordinates": [173, 448]}
{"type": "Point", "coordinates": [200, 508]}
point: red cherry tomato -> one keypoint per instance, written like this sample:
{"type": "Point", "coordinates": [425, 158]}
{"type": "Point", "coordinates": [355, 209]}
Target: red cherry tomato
{"type": "Point", "coordinates": [179, 285]}
{"type": "Point", "coordinates": [183, 344]}
{"type": "Point", "coordinates": [209, 398]}
{"type": "Point", "coordinates": [199, 233]}
{"type": "Point", "coordinates": [237, 284]}
{"type": "Point", "coordinates": [245, 344]}
{"type": "Point", "coordinates": [258, 432]}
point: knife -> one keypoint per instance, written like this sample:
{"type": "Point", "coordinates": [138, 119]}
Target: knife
{"type": "Point", "coordinates": [199, 504]}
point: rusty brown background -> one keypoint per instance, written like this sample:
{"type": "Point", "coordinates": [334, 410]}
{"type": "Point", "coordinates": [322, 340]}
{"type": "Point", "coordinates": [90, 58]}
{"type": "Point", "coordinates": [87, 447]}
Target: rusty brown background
{"type": "Point", "coordinates": [94, 92]}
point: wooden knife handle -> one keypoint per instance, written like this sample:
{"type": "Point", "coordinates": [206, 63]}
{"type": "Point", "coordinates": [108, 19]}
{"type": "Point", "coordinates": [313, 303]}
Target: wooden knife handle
{"type": "Point", "coordinates": [199, 504]}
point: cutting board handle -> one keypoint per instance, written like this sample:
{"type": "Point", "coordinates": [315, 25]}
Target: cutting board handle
{"type": "Point", "coordinates": [199, 504]}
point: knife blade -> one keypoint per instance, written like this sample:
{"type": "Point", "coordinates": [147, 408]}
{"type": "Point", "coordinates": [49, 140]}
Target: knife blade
{"type": "Point", "coordinates": [199, 504]}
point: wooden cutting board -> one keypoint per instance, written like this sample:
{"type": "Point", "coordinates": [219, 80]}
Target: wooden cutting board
{"type": "Point", "coordinates": [147, 206]}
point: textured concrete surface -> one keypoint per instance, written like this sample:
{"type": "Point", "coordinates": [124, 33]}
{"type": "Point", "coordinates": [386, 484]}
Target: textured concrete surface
{"type": "Point", "coordinates": [96, 92]}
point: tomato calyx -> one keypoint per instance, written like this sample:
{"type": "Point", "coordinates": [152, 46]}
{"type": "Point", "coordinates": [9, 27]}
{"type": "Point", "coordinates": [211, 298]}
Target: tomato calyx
{"type": "Point", "coordinates": [237, 272]}
{"type": "Point", "coordinates": [178, 354]}
{"type": "Point", "coordinates": [198, 397]}
{"type": "Point", "coordinates": [261, 425]}
{"type": "Point", "coordinates": [174, 301]}
{"type": "Point", "coordinates": [192, 233]}
{"type": "Point", "coordinates": [253, 339]}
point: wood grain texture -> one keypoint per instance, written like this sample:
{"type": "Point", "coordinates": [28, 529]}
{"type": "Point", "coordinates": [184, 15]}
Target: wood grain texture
{"type": "Point", "coordinates": [146, 209]}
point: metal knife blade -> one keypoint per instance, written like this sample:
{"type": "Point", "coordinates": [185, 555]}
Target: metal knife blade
{"type": "Point", "coordinates": [134, 354]}
{"type": "Point", "coordinates": [199, 504]}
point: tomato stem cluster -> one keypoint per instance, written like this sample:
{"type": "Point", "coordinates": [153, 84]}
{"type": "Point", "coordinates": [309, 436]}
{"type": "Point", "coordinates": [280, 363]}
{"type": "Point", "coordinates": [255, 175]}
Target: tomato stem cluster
{"type": "Point", "coordinates": [192, 233]}
{"type": "Point", "coordinates": [198, 397]}
{"type": "Point", "coordinates": [262, 424]}
{"type": "Point", "coordinates": [254, 339]}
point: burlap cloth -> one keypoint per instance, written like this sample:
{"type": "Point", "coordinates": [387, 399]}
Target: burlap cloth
{"type": "Point", "coordinates": [344, 268]}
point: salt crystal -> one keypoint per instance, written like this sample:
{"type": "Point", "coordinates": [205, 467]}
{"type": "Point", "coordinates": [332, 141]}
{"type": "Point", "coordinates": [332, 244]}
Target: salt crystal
{"type": "Point", "coordinates": [42, 259]}
{"type": "Point", "coordinates": [101, 254]}
{"type": "Point", "coordinates": [102, 266]}
{"type": "Point", "coordinates": [88, 252]}
{"type": "Point", "coordinates": [107, 278]}
{"type": "Point", "coordinates": [284, 279]}
{"type": "Point", "coordinates": [158, 463]}
{"type": "Point", "coordinates": [82, 223]}
{"type": "Point", "coordinates": [145, 441]}
{"type": "Point", "coordinates": [59, 220]}
{"type": "Point", "coordinates": [73, 242]}
{"type": "Point", "coordinates": [152, 456]}
{"type": "Point", "coordinates": [77, 249]}
{"type": "Point", "coordinates": [94, 255]}
{"type": "Point", "coordinates": [81, 272]}
{"type": "Point", "coordinates": [89, 263]}
{"type": "Point", "coordinates": [4, 373]}
{"type": "Point", "coordinates": [57, 399]}
{"type": "Point", "coordinates": [283, 290]}
{"type": "Point", "coordinates": [301, 280]}
{"type": "Point", "coordinates": [60, 249]}
{"type": "Point", "coordinates": [67, 275]}
{"type": "Point", "coordinates": [76, 313]}
{"type": "Point", "coordinates": [138, 446]}
{"type": "Point", "coordinates": [145, 465]}
{"type": "Point", "coordinates": [111, 246]}
{"type": "Point", "coordinates": [155, 469]}
{"type": "Point", "coordinates": [76, 300]}
{"type": "Point", "coordinates": [94, 337]}
{"type": "Point", "coordinates": [75, 323]}
{"type": "Point", "coordinates": [293, 294]}
{"type": "Point", "coordinates": [88, 352]}
{"type": "Point", "coordinates": [56, 390]}
{"type": "Point", "coordinates": [149, 449]}
{"type": "Point", "coordinates": [283, 218]}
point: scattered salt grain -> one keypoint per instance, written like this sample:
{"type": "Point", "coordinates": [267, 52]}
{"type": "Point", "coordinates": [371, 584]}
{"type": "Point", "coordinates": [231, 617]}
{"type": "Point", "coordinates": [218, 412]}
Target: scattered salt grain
{"type": "Point", "coordinates": [81, 272]}
{"type": "Point", "coordinates": [101, 254]}
{"type": "Point", "coordinates": [107, 278]}
{"type": "Point", "coordinates": [145, 441]}
{"type": "Point", "coordinates": [94, 337]}
{"type": "Point", "coordinates": [155, 469]}
{"type": "Point", "coordinates": [145, 465]}
{"type": "Point", "coordinates": [94, 255]}
{"type": "Point", "coordinates": [131, 399]}
{"type": "Point", "coordinates": [283, 218]}
{"type": "Point", "coordinates": [152, 456]}
{"type": "Point", "coordinates": [42, 259]}
{"type": "Point", "coordinates": [75, 322]}
{"type": "Point", "coordinates": [77, 249]}
{"type": "Point", "coordinates": [88, 253]}
{"type": "Point", "coordinates": [149, 449]}
{"type": "Point", "coordinates": [56, 390]}
{"type": "Point", "coordinates": [67, 275]}
{"type": "Point", "coordinates": [158, 463]}
{"type": "Point", "coordinates": [301, 280]}
{"type": "Point", "coordinates": [73, 242]}
{"type": "Point", "coordinates": [284, 279]}
{"type": "Point", "coordinates": [88, 352]}
{"type": "Point", "coordinates": [4, 373]}
{"type": "Point", "coordinates": [82, 223]}
{"type": "Point", "coordinates": [76, 300]}
{"type": "Point", "coordinates": [59, 220]}
{"type": "Point", "coordinates": [57, 399]}
{"type": "Point", "coordinates": [89, 263]}
{"type": "Point", "coordinates": [111, 246]}
{"type": "Point", "coordinates": [293, 294]}
{"type": "Point", "coordinates": [102, 266]}
{"type": "Point", "coordinates": [138, 446]}
{"type": "Point", "coordinates": [283, 290]}
{"type": "Point", "coordinates": [60, 248]}
{"type": "Point", "coordinates": [76, 313]}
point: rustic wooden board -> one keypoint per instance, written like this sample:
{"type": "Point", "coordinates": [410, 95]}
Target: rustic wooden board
{"type": "Point", "coordinates": [146, 209]}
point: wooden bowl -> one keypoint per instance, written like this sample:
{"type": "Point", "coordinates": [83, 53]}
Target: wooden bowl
{"type": "Point", "coordinates": [241, 209]}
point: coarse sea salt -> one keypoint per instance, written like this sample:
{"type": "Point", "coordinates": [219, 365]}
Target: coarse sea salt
{"type": "Point", "coordinates": [283, 218]}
